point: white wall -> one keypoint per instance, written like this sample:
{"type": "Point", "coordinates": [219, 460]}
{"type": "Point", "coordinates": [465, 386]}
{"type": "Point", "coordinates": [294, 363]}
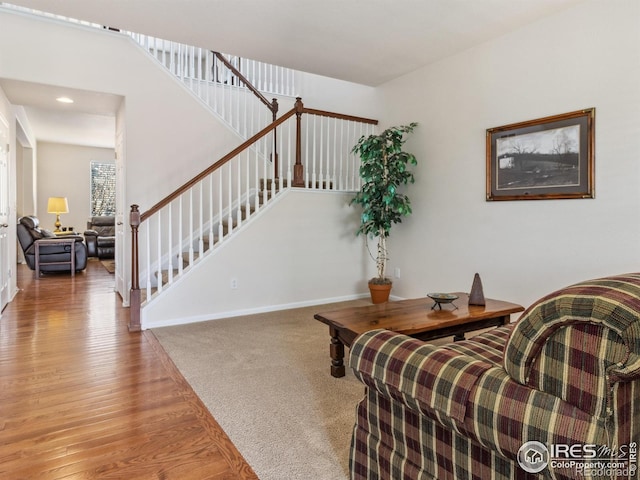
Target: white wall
{"type": "Point", "coordinates": [338, 96]}
{"type": "Point", "coordinates": [64, 171]}
{"type": "Point", "coordinates": [26, 169]}
{"type": "Point", "coordinates": [587, 56]}
{"type": "Point", "coordinates": [300, 250]}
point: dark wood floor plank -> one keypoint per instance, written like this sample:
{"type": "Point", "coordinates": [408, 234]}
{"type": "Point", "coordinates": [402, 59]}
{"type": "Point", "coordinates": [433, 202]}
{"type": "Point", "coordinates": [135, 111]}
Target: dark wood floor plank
{"type": "Point", "coordinates": [82, 398]}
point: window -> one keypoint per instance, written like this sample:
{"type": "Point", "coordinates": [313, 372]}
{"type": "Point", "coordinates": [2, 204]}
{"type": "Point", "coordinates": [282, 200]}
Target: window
{"type": "Point", "coordinates": [103, 189]}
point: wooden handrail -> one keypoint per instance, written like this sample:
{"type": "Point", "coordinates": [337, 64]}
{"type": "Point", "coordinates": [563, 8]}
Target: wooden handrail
{"type": "Point", "coordinates": [298, 109]}
{"type": "Point", "coordinates": [339, 116]}
{"type": "Point", "coordinates": [233, 153]}
{"type": "Point", "coordinates": [273, 105]}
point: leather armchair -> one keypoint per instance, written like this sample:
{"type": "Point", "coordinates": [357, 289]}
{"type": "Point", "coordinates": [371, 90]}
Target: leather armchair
{"type": "Point", "coordinates": [28, 231]}
{"type": "Point", "coordinates": [101, 237]}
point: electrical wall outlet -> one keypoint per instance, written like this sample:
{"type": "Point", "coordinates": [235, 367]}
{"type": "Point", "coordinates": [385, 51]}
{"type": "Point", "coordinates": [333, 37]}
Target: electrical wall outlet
{"type": "Point", "coordinates": [234, 283]}
{"type": "Point", "coordinates": [396, 272]}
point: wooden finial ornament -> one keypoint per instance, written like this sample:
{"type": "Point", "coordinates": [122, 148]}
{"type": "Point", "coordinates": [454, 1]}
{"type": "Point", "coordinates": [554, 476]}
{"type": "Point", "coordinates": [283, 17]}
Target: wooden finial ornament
{"type": "Point", "coordinates": [476, 297]}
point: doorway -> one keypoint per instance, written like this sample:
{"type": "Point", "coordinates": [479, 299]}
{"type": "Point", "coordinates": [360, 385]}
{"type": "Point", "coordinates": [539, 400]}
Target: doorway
{"type": "Point", "coordinates": [5, 265]}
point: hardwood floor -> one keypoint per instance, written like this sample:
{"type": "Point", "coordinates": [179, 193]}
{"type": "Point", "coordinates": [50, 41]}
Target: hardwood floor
{"type": "Point", "coordinates": [82, 398]}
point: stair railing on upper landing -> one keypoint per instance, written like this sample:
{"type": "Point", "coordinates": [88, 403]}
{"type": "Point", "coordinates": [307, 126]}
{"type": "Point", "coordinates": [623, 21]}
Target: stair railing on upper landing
{"type": "Point", "coordinates": [181, 229]}
{"type": "Point", "coordinates": [233, 87]}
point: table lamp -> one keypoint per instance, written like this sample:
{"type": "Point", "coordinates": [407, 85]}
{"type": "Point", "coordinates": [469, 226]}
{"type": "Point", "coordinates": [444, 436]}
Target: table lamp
{"type": "Point", "coordinates": [58, 205]}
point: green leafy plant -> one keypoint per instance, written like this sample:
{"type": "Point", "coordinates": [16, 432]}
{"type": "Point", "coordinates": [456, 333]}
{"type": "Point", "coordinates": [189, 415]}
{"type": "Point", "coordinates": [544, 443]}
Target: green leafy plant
{"type": "Point", "coordinates": [384, 168]}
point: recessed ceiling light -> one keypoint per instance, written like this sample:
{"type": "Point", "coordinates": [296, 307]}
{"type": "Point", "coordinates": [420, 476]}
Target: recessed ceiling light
{"type": "Point", "coordinates": [64, 100]}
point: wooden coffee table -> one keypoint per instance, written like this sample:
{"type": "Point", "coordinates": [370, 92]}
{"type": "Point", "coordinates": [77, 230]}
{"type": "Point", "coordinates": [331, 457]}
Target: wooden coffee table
{"type": "Point", "coordinates": [415, 318]}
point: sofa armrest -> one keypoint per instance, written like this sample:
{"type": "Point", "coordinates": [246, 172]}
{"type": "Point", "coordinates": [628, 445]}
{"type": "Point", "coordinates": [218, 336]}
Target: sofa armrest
{"type": "Point", "coordinates": [53, 246]}
{"type": "Point", "coordinates": [577, 342]}
{"type": "Point", "coordinates": [468, 395]}
{"type": "Point", "coordinates": [504, 415]}
{"type": "Point", "coordinates": [90, 233]}
{"type": "Point", "coordinates": [424, 377]}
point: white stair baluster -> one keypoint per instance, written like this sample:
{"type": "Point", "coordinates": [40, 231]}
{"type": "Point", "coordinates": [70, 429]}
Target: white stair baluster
{"type": "Point", "coordinates": [191, 55]}
{"type": "Point", "coordinates": [271, 78]}
{"type": "Point", "coordinates": [210, 216]}
{"type": "Point", "coordinates": [169, 243]}
{"type": "Point", "coordinates": [220, 221]}
{"type": "Point", "coordinates": [334, 177]}
{"type": "Point", "coordinates": [307, 127]}
{"type": "Point", "coordinates": [289, 155]}
{"type": "Point", "coordinates": [159, 256]}
{"type": "Point", "coordinates": [172, 57]}
{"type": "Point", "coordinates": [256, 169]}
{"type": "Point", "coordinates": [230, 199]}
{"type": "Point", "coordinates": [216, 84]}
{"type": "Point", "coordinates": [223, 90]}
{"type": "Point", "coordinates": [322, 155]}
{"type": "Point", "coordinates": [315, 135]}
{"type": "Point", "coordinates": [280, 157]}
{"type": "Point", "coordinates": [148, 259]}
{"type": "Point", "coordinates": [207, 71]}
{"type": "Point", "coordinates": [239, 193]}
{"type": "Point", "coordinates": [239, 95]}
{"type": "Point", "coordinates": [270, 139]}
{"type": "Point", "coordinates": [191, 252]}
{"type": "Point", "coordinates": [349, 167]}
{"type": "Point", "coordinates": [247, 204]}
{"type": "Point", "coordinates": [180, 247]}
{"type": "Point", "coordinates": [200, 79]}
{"type": "Point", "coordinates": [245, 116]}
{"type": "Point", "coordinates": [201, 225]}
{"type": "Point", "coordinates": [342, 157]}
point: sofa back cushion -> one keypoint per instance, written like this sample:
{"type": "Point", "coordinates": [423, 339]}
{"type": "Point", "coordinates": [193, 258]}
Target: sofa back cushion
{"type": "Point", "coordinates": [32, 227]}
{"type": "Point", "coordinates": [578, 341]}
{"type": "Point", "coordinates": [105, 226]}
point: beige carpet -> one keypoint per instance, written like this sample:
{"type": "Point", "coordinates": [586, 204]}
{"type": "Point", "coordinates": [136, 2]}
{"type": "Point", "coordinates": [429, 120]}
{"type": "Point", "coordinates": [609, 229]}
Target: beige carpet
{"type": "Point", "coordinates": [266, 380]}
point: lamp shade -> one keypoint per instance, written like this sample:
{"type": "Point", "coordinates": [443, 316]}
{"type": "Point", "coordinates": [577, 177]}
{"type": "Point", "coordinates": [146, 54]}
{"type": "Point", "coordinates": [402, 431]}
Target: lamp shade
{"type": "Point", "coordinates": [58, 205]}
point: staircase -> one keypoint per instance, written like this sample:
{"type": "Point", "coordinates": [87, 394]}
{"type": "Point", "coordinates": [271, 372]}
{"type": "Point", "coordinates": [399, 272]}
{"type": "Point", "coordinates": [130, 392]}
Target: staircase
{"type": "Point", "coordinates": [302, 148]}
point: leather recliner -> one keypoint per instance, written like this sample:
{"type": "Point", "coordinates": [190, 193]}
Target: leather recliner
{"type": "Point", "coordinates": [101, 237]}
{"type": "Point", "coordinates": [28, 231]}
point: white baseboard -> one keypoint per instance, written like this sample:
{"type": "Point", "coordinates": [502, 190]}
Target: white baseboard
{"type": "Point", "coordinates": [250, 311]}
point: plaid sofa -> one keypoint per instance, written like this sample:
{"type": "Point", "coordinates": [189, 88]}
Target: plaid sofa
{"type": "Point", "coordinates": [567, 373]}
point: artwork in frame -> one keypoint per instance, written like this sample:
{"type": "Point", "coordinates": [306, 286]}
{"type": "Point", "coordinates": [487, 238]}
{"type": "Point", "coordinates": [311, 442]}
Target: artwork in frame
{"type": "Point", "coordinates": [547, 158]}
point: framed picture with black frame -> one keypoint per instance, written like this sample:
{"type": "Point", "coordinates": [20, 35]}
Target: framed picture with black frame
{"type": "Point", "coordinates": [547, 158]}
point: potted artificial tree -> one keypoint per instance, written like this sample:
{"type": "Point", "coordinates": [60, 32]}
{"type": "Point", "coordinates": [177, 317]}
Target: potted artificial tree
{"type": "Point", "coordinates": [384, 168]}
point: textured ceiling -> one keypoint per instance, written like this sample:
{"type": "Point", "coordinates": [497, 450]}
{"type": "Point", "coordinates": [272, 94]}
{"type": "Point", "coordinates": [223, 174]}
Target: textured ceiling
{"type": "Point", "coordinates": [364, 41]}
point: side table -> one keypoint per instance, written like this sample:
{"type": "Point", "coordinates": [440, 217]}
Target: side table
{"type": "Point", "coordinates": [56, 241]}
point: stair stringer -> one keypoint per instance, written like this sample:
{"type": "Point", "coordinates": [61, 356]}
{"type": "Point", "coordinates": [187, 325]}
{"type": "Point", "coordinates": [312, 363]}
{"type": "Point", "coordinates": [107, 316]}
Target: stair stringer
{"type": "Point", "coordinates": [283, 257]}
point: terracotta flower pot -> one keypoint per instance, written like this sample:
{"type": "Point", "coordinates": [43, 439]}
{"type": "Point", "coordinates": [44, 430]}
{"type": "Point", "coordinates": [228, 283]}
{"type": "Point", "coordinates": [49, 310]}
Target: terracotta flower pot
{"type": "Point", "coordinates": [379, 292]}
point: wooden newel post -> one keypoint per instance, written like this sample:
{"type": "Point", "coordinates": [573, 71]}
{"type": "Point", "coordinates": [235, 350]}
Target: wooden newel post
{"type": "Point", "coordinates": [298, 170]}
{"type": "Point", "coordinates": [134, 292]}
